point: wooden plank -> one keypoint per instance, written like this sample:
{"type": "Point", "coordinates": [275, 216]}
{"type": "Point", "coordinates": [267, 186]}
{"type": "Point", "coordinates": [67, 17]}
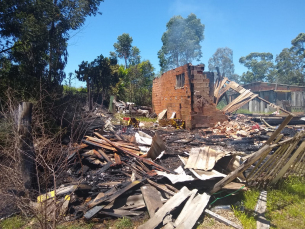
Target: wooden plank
{"type": "Point", "coordinates": [99, 145]}
{"type": "Point", "coordinates": [289, 163]}
{"type": "Point", "coordinates": [104, 155]}
{"type": "Point", "coordinates": [242, 103]}
{"type": "Point", "coordinates": [161, 115]}
{"type": "Point", "coordinates": [127, 202]}
{"type": "Point", "coordinates": [131, 154]}
{"type": "Point", "coordinates": [273, 105]}
{"type": "Point", "coordinates": [172, 188]}
{"type": "Point", "coordinates": [92, 212]}
{"type": "Point", "coordinates": [235, 186]}
{"type": "Point", "coordinates": [238, 99]}
{"type": "Point", "coordinates": [117, 159]}
{"type": "Point", "coordinates": [187, 207]}
{"type": "Point", "coordinates": [198, 205]}
{"type": "Point", "coordinates": [161, 187]}
{"type": "Point", "coordinates": [152, 199]}
{"type": "Point", "coordinates": [104, 168]}
{"type": "Point", "coordinates": [231, 176]}
{"type": "Point", "coordinates": [106, 145]}
{"type": "Point", "coordinates": [260, 209]}
{"type": "Point", "coordinates": [279, 129]}
{"type": "Point", "coordinates": [122, 212]}
{"type": "Point", "coordinates": [221, 219]}
{"type": "Point", "coordinates": [110, 198]}
{"type": "Point", "coordinates": [98, 154]}
{"type": "Point", "coordinates": [157, 146]}
{"type": "Point", "coordinates": [172, 203]}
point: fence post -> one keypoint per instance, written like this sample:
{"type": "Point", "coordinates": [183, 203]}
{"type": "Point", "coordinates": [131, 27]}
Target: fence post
{"type": "Point", "coordinates": [25, 144]}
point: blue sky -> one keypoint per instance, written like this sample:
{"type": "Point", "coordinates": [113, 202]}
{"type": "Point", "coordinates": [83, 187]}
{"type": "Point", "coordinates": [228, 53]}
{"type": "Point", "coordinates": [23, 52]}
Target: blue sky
{"type": "Point", "coordinates": [244, 26]}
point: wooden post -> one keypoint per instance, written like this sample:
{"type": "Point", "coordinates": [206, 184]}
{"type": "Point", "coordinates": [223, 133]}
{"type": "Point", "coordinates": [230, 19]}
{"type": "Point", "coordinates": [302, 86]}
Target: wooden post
{"type": "Point", "coordinates": [25, 144]}
{"type": "Point", "coordinates": [231, 176]}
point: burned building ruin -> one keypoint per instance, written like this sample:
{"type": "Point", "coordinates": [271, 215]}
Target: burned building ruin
{"type": "Point", "coordinates": [189, 92]}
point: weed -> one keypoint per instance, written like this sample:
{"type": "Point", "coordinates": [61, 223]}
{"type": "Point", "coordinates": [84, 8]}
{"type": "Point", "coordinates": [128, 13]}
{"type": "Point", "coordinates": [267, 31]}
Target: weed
{"type": "Point", "coordinates": [246, 216]}
{"type": "Point", "coordinates": [248, 221]}
{"type": "Point", "coordinates": [123, 223]}
{"type": "Point", "coordinates": [12, 223]}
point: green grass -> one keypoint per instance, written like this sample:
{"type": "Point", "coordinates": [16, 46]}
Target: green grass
{"type": "Point", "coordinates": [144, 119]}
{"type": "Point", "coordinates": [12, 223]}
{"type": "Point", "coordinates": [285, 205]}
{"type": "Point", "coordinates": [123, 223]}
{"type": "Point", "coordinates": [118, 117]}
{"type": "Point", "coordinates": [246, 216]}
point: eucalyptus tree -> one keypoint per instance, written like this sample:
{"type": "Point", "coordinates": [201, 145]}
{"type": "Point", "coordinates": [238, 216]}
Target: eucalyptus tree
{"type": "Point", "coordinates": [223, 59]}
{"type": "Point", "coordinates": [181, 42]}
{"type": "Point", "coordinates": [260, 67]}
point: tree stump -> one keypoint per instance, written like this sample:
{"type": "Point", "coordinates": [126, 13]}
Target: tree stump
{"type": "Point", "coordinates": [25, 144]}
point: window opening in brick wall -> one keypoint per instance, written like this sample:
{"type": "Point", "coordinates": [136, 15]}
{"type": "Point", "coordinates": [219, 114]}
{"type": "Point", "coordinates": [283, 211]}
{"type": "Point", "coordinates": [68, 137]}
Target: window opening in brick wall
{"type": "Point", "coordinates": [180, 80]}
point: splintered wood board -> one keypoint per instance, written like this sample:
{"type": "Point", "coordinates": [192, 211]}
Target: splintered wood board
{"type": "Point", "coordinates": [172, 203]}
{"type": "Point", "coordinates": [152, 199]}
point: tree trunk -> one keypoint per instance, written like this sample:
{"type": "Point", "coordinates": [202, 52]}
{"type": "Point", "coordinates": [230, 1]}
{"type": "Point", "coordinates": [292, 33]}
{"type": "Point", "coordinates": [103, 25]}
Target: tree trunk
{"type": "Point", "coordinates": [25, 145]}
{"type": "Point", "coordinates": [126, 63]}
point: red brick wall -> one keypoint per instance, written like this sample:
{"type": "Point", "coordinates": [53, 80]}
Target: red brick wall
{"type": "Point", "coordinates": [205, 113]}
{"type": "Point", "coordinates": [165, 95]}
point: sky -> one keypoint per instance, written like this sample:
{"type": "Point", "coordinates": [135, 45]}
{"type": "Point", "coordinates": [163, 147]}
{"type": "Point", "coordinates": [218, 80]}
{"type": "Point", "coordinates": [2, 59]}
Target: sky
{"type": "Point", "coordinates": [244, 26]}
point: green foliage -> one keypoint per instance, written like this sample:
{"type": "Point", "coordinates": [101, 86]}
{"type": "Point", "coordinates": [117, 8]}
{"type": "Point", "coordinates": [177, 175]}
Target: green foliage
{"type": "Point", "coordinates": [223, 58]}
{"type": "Point", "coordinates": [119, 89]}
{"type": "Point", "coordinates": [298, 45]}
{"type": "Point", "coordinates": [291, 62]}
{"type": "Point", "coordinates": [140, 84]}
{"type": "Point", "coordinates": [123, 223]}
{"type": "Point", "coordinates": [34, 36]}
{"type": "Point", "coordinates": [181, 42]}
{"type": "Point", "coordinates": [135, 57]}
{"type": "Point", "coordinates": [73, 90]}
{"type": "Point", "coordinates": [101, 75]}
{"type": "Point", "coordinates": [14, 222]}
{"type": "Point", "coordinates": [261, 67]}
{"type": "Point", "coordinates": [124, 49]}
{"type": "Point", "coordinates": [290, 68]}
{"type": "Point", "coordinates": [221, 105]}
{"type": "Point", "coordinates": [135, 83]}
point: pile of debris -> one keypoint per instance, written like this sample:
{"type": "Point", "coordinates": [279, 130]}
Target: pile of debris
{"type": "Point", "coordinates": [125, 173]}
{"type": "Point", "coordinates": [131, 109]}
{"type": "Point", "coordinates": [111, 176]}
